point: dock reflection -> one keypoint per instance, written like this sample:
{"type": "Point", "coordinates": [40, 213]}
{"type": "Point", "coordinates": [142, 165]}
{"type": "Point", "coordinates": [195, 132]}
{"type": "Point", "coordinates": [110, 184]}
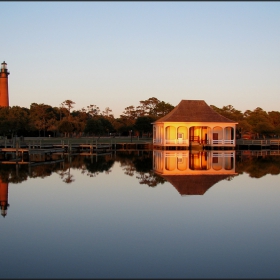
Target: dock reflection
{"type": "Point", "coordinates": [194, 172]}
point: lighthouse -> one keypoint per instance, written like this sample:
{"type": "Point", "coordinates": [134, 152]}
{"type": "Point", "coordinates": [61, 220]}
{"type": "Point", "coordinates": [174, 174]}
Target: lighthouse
{"type": "Point", "coordinates": [4, 92]}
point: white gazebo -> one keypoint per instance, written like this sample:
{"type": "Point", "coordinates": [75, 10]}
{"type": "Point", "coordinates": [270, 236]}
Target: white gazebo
{"type": "Point", "coordinates": [193, 123]}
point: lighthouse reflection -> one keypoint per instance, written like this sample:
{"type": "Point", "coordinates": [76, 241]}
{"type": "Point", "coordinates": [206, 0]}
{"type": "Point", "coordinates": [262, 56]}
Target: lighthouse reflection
{"type": "Point", "coordinates": [4, 197]}
{"type": "Point", "coordinates": [194, 172]}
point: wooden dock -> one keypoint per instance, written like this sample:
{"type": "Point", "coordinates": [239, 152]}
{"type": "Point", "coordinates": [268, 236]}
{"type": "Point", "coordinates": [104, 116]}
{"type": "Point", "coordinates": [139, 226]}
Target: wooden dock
{"type": "Point", "coordinates": [39, 152]}
{"type": "Point", "coordinates": [269, 144]}
{"type": "Point", "coordinates": [18, 161]}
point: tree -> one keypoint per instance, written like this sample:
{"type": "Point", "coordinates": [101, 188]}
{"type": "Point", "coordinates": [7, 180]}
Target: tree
{"type": "Point", "coordinates": [274, 118]}
{"type": "Point", "coordinates": [128, 118]}
{"type": "Point", "coordinates": [243, 126]}
{"type": "Point", "coordinates": [42, 115]}
{"type": "Point", "coordinates": [153, 107]}
{"type": "Point", "coordinates": [148, 107]}
{"type": "Point", "coordinates": [93, 110]}
{"type": "Point", "coordinates": [79, 120]}
{"type": "Point", "coordinates": [5, 125]}
{"type": "Point", "coordinates": [66, 127]}
{"type": "Point", "coordinates": [18, 119]}
{"type": "Point", "coordinates": [52, 125]}
{"type": "Point", "coordinates": [69, 105]}
{"type": "Point", "coordinates": [229, 112]}
{"type": "Point", "coordinates": [163, 109]}
{"type": "Point", "coordinates": [106, 125]}
{"type": "Point", "coordinates": [107, 113]}
{"type": "Point", "coordinates": [144, 124]}
{"type": "Point", "coordinates": [98, 125]}
{"type": "Point", "coordinates": [63, 112]}
{"type": "Point", "coordinates": [265, 128]}
{"type": "Point", "coordinates": [93, 126]}
{"type": "Point", "coordinates": [129, 113]}
{"type": "Point", "coordinates": [258, 119]}
{"type": "Point", "coordinates": [120, 125]}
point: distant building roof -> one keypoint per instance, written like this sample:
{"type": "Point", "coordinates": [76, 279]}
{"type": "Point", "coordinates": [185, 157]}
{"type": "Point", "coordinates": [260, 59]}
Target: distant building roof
{"type": "Point", "coordinates": [194, 111]}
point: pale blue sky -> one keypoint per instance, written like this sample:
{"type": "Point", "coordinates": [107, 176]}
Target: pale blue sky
{"type": "Point", "coordinates": [114, 54]}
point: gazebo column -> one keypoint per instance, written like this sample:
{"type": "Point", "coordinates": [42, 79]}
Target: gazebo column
{"type": "Point", "coordinates": [156, 136]}
{"type": "Point", "coordinates": [163, 134]}
{"type": "Point", "coordinates": [188, 136]}
{"type": "Point", "coordinates": [234, 135]}
{"type": "Point", "coordinates": [210, 135]}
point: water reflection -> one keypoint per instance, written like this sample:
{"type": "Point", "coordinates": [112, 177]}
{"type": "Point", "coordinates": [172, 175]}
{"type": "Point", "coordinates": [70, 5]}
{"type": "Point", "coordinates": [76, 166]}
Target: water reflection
{"type": "Point", "coordinates": [258, 163]}
{"type": "Point", "coordinates": [194, 162]}
{"type": "Point", "coordinates": [118, 217]}
{"type": "Point", "coordinates": [190, 172]}
{"type": "Point", "coordinates": [146, 164]}
{"type": "Point", "coordinates": [194, 172]}
{"type": "Point", "coordinates": [4, 198]}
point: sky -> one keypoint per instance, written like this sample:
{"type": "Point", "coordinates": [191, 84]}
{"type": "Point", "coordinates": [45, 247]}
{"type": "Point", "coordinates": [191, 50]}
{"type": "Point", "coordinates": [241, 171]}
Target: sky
{"type": "Point", "coordinates": [116, 54]}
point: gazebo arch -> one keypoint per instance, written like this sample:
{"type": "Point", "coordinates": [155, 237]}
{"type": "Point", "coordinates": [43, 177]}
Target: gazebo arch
{"type": "Point", "coordinates": [217, 135]}
{"type": "Point", "coordinates": [170, 163]}
{"type": "Point", "coordinates": [199, 161]}
{"type": "Point", "coordinates": [228, 134]}
{"type": "Point", "coordinates": [217, 163]}
{"type": "Point", "coordinates": [182, 163]}
{"type": "Point", "coordinates": [170, 134]}
{"type": "Point", "coordinates": [229, 163]}
{"type": "Point", "coordinates": [182, 134]}
{"type": "Point", "coordinates": [199, 134]}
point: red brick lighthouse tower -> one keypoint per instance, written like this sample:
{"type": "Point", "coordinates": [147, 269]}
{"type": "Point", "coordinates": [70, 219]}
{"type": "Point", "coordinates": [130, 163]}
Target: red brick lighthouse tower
{"type": "Point", "coordinates": [4, 92]}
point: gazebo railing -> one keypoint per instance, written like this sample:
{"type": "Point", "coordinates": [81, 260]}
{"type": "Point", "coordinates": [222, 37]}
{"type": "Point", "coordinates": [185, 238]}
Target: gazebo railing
{"type": "Point", "coordinates": [220, 142]}
{"type": "Point", "coordinates": [186, 142]}
{"type": "Point", "coordinates": [258, 142]}
{"type": "Point", "coordinates": [176, 141]}
{"type": "Point", "coordinates": [222, 155]}
{"type": "Point", "coordinates": [178, 155]}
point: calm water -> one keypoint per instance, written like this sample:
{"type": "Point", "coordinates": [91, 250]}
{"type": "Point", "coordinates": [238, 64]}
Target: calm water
{"type": "Point", "coordinates": [139, 215]}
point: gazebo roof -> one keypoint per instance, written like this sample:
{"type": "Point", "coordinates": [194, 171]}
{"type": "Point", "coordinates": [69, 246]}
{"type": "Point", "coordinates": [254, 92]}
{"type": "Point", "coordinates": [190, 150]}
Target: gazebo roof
{"type": "Point", "coordinates": [193, 184]}
{"type": "Point", "coordinates": [194, 111]}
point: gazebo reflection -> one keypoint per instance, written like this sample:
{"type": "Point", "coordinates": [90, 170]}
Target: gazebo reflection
{"type": "Point", "coordinates": [194, 172]}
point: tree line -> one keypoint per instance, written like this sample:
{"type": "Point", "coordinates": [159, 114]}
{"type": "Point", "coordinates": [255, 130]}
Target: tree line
{"type": "Point", "coordinates": [44, 120]}
{"type": "Point", "coordinates": [252, 124]}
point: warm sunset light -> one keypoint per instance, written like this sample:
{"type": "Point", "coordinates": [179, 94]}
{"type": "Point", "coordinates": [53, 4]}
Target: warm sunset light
{"type": "Point", "coordinates": [139, 140]}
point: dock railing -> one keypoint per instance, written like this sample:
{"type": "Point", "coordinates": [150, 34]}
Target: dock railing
{"type": "Point", "coordinates": [267, 142]}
